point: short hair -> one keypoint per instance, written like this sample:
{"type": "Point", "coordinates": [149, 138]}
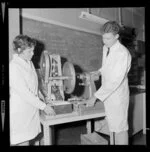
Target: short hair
{"type": "Point", "coordinates": [111, 27]}
{"type": "Point", "coordinates": [23, 42]}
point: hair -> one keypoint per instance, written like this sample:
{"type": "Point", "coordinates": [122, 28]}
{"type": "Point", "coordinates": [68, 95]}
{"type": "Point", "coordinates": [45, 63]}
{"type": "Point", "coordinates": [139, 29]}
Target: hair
{"type": "Point", "coordinates": [22, 42]}
{"type": "Point", "coordinates": [111, 27]}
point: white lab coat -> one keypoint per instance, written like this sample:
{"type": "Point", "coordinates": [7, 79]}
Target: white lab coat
{"type": "Point", "coordinates": [24, 102]}
{"type": "Point", "coordinates": [114, 91]}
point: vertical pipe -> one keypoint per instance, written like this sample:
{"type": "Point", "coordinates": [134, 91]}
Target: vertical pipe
{"type": "Point", "coordinates": [143, 29]}
{"type": "Point", "coordinates": [144, 111]}
{"type": "Point", "coordinates": [132, 19]}
{"type": "Point", "coordinates": [120, 15]}
{"type": "Point", "coordinates": [20, 20]}
{"type": "Point", "coordinates": [89, 10]}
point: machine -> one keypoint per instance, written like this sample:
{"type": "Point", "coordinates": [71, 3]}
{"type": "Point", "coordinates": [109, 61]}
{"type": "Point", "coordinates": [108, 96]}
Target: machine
{"type": "Point", "coordinates": [58, 80]}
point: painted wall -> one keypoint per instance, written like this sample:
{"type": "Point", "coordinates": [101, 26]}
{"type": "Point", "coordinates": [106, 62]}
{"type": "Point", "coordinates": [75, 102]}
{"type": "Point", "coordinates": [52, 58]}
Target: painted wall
{"type": "Point", "coordinates": [109, 13]}
{"type": "Point", "coordinates": [14, 28]}
{"type": "Point", "coordinates": [135, 20]}
{"type": "Point", "coordinates": [80, 48]}
{"type": "Point", "coordinates": [71, 17]}
{"type": "Point", "coordinates": [65, 16]}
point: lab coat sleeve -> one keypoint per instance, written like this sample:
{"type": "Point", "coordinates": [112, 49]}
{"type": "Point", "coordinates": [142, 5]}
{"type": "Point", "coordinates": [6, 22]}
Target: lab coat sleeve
{"type": "Point", "coordinates": [100, 70]}
{"type": "Point", "coordinates": [114, 76]}
{"type": "Point", "coordinates": [19, 85]}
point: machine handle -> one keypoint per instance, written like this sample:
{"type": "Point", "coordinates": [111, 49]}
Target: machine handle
{"type": "Point", "coordinates": [60, 78]}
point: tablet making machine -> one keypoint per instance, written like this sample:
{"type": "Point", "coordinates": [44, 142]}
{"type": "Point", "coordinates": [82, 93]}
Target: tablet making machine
{"type": "Point", "coordinates": [58, 80]}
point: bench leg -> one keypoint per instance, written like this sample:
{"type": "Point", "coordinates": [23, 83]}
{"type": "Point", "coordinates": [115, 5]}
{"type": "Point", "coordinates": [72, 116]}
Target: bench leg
{"type": "Point", "coordinates": [47, 138]}
{"type": "Point", "coordinates": [88, 126]}
{"type": "Point", "coordinates": [112, 138]}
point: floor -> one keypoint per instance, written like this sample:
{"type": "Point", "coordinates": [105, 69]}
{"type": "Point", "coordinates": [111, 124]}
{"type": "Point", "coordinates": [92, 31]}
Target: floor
{"type": "Point", "coordinates": [138, 139]}
{"type": "Point", "coordinates": [69, 134]}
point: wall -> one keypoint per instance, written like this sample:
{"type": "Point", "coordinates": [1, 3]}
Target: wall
{"type": "Point", "coordinates": [14, 28]}
{"type": "Point", "coordinates": [62, 31]}
{"type": "Point", "coordinates": [137, 113]}
{"type": "Point", "coordinates": [128, 17]}
{"type": "Point", "coordinates": [80, 48]}
{"type": "Point", "coordinates": [108, 13]}
{"type": "Point", "coordinates": [132, 19]}
{"type": "Point", "coordinates": [67, 17]}
{"type": "Point", "coordinates": [70, 17]}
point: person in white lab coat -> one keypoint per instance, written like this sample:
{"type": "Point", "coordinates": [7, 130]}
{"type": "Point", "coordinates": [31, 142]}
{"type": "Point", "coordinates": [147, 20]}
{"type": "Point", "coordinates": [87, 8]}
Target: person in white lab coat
{"type": "Point", "coordinates": [24, 101]}
{"type": "Point", "coordinates": [114, 91]}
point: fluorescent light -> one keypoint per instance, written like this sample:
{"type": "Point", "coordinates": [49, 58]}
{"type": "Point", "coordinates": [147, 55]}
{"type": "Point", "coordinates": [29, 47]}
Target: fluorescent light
{"type": "Point", "coordinates": [92, 18]}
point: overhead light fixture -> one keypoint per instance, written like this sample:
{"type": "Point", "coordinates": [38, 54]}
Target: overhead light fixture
{"type": "Point", "coordinates": [93, 18]}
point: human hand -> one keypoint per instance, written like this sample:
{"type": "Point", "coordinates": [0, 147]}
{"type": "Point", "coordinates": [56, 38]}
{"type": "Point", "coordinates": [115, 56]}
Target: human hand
{"type": "Point", "coordinates": [49, 110]}
{"type": "Point", "coordinates": [41, 96]}
{"type": "Point", "coordinates": [48, 101]}
{"type": "Point", "coordinates": [91, 102]}
{"type": "Point", "coordinates": [95, 72]}
{"type": "Point", "coordinates": [95, 75]}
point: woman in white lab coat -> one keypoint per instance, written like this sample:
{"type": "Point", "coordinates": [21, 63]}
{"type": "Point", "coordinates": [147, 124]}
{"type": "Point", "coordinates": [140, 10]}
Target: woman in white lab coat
{"type": "Point", "coordinates": [114, 91]}
{"type": "Point", "coordinates": [24, 100]}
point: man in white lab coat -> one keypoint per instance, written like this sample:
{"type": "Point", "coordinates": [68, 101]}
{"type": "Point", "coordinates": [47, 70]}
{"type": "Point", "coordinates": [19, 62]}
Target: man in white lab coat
{"type": "Point", "coordinates": [24, 101]}
{"type": "Point", "coordinates": [114, 91]}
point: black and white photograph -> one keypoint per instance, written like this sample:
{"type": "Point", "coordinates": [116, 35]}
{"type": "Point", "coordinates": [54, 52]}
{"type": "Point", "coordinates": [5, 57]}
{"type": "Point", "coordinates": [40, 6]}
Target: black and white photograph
{"type": "Point", "coordinates": [76, 76]}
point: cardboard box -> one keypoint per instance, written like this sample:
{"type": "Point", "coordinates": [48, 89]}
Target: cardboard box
{"type": "Point", "coordinates": [63, 107]}
{"type": "Point", "coordinates": [99, 107]}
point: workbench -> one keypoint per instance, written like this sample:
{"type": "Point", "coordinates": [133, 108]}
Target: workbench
{"type": "Point", "coordinates": [48, 124]}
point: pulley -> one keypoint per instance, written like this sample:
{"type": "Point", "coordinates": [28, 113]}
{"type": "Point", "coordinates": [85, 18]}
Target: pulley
{"type": "Point", "coordinates": [68, 73]}
{"type": "Point", "coordinates": [45, 66]}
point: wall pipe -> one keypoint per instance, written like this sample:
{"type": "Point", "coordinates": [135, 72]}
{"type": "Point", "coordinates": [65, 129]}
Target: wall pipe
{"type": "Point", "coordinates": [120, 16]}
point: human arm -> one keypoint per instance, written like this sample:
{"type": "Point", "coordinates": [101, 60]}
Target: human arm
{"type": "Point", "coordinates": [49, 110]}
{"type": "Point", "coordinates": [114, 75]}
{"type": "Point", "coordinates": [19, 86]}
{"type": "Point", "coordinates": [95, 74]}
{"type": "Point", "coordinates": [91, 101]}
